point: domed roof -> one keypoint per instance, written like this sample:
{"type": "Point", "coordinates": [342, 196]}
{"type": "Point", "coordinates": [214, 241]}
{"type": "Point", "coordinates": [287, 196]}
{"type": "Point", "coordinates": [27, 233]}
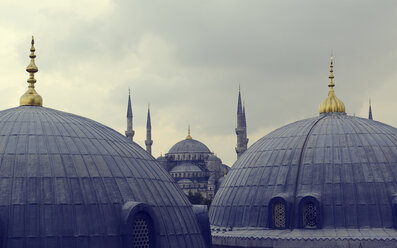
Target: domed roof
{"type": "Point", "coordinates": [65, 178]}
{"type": "Point", "coordinates": [185, 181]}
{"type": "Point", "coordinates": [189, 146]}
{"type": "Point", "coordinates": [186, 167]}
{"type": "Point", "coordinates": [348, 164]}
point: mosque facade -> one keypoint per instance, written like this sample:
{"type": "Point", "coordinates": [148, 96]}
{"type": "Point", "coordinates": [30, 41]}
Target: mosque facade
{"type": "Point", "coordinates": [194, 167]}
{"type": "Point", "coordinates": [327, 181]}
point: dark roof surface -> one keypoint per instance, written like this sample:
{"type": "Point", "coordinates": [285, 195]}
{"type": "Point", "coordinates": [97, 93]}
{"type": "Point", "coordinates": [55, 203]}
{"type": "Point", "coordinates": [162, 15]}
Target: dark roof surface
{"type": "Point", "coordinates": [189, 146]}
{"type": "Point", "coordinates": [186, 167]}
{"type": "Point", "coordinates": [348, 163]}
{"type": "Point", "coordinates": [64, 179]}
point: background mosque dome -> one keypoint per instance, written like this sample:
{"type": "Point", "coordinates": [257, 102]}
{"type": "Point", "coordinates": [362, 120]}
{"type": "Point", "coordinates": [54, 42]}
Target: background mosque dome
{"type": "Point", "coordinates": [189, 146]}
{"type": "Point", "coordinates": [186, 167]}
{"type": "Point", "coordinates": [69, 181]}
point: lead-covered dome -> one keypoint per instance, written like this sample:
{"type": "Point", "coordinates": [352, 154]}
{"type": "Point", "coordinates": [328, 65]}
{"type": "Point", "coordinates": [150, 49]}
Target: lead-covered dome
{"type": "Point", "coordinates": [67, 181]}
{"type": "Point", "coordinates": [332, 172]}
{"type": "Point", "coordinates": [189, 146]}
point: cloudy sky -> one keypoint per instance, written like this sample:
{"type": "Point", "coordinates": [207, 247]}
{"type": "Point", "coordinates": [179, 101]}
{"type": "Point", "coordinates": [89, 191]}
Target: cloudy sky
{"type": "Point", "coordinates": [187, 59]}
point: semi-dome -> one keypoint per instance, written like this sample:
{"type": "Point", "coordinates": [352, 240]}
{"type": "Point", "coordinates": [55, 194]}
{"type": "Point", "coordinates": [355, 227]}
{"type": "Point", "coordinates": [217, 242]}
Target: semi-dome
{"type": "Point", "coordinates": [189, 146]}
{"type": "Point", "coordinates": [68, 181]}
{"type": "Point", "coordinates": [186, 167]}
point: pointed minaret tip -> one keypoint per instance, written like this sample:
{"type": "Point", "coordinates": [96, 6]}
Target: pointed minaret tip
{"type": "Point", "coordinates": [188, 133]}
{"type": "Point", "coordinates": [370, 111]}
{"type": "Point", "coordinates": [31, 97]}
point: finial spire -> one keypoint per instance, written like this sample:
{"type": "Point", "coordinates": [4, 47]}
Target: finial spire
{"type": "Point", "coordinates": [188, 133]}
{"type": "Point", "coordinates": [370, 110]}
{"type": "Point", "coordinates": [148, 141]}
{"type": "Point", "coordinates": [331, 103]}
{"type": "Point", "coordinates": [31, 98]}
{"type": "Point", "coordinates": [129, 132]}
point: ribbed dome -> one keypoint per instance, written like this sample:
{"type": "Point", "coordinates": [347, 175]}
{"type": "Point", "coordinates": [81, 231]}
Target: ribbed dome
{"type": "Point", "coordinates": [348, 164]}
{"type": "Point", "coordinates": [65, 178]}
{"type": "Point", "coordinates": [189, 145]}
{"type": "Point", "coordinates": [186, 167]}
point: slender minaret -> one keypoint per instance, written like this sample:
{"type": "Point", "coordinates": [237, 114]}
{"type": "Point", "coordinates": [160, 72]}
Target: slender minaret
{"type": "Point", "coordinates": [370, 110]}
{"type": "Point", "coordinates": [148, 141]}
{"type": "Point", "coordinates": [130, 132]}
{"type": "Point", "coordinates": [241, 130]}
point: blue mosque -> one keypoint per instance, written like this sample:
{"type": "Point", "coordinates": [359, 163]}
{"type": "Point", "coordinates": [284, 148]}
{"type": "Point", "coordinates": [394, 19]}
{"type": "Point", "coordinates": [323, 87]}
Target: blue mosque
{"type": "Point", "coordinates": [70, 182]}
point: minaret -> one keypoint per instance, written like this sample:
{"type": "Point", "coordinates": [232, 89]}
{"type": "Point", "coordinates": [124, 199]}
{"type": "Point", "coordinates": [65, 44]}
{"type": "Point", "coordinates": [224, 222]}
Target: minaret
{"type": "Point", "coordinates": [129, 133]}
{"type": "Point", "coordinates": [148, 141]}
{"type": "Point", "coordinates": [241, 130]}
{"type": "Point", "coordinates": [370, 110]}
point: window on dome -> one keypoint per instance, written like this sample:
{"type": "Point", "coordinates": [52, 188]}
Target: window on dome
{"type": "Point", "coordinates": [142, 236]}
{"type": "Point", "coordinates": [279, 215]}
{"type": "Point", "coordinates": [310, 215]}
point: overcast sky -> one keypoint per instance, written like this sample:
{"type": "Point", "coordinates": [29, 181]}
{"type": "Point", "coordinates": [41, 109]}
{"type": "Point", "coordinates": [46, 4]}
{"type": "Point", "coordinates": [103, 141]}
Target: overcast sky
{"type": "Point", "coordinates": [187, 58]}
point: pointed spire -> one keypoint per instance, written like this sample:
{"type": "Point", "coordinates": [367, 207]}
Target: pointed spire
{"type": "Point", "coordinates": [130, 132]}
{"type": "Point", "coordinates": [129, 108]}
{"type": "Point", "coordinates": [239, 108]}
{"type": "Point", "coordinates": [31, 97]}
{"type": "Point", "coordinates": [244, 119]}
{"type": "Point", "coordinates": [331, 103]}
{"type": "Point", "coordinates": [148, 141]}
{"type": "Point", "coordinates": [188, 133]}
{"type": "Point", "coordinates": [370, 110]}
{"type": "Point", "coordinates": [241, 129]}
{"type": "Point", "coordinates": [148, 122]}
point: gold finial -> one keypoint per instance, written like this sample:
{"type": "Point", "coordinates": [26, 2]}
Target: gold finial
{"type": "Point", "coordinates": [31, 98]}
{"type": "Point", "coordinates": [331, 103]}
{"type": "Point", "coordinates": [188, 133]}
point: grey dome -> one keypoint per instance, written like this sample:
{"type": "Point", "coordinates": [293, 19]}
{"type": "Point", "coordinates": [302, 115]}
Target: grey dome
{"type": "Point", "coordinates": [348, 164]}
{"type": "Point", "coordinates": [189, 146]}
{"type": "Point", "coordinates": [214, 158]}
{"type": "Point", "coordinates": [185, 181]}
{"type": "Point", "coordinates": [65, 178]}
{"type": "Point", "coordinates": [186, 167]}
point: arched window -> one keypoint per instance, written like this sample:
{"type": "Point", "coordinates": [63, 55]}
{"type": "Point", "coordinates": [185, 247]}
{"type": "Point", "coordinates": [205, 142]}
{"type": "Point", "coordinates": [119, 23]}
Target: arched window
{"type": "Point", "coordinates": [278, 213]}
{"type": "Point", "coordinates": [141, 237]}
{"type": "Point", "coordinates": [138, 226]}
{"type": "Point", "coordinates": [309, 215]}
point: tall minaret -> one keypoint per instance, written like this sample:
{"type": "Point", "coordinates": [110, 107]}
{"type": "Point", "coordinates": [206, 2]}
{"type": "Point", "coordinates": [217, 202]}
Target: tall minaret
{"type": "Point", "coordinates": [129, 133]}
{"type": "Point", "coordinates": [370, 110]}
{"type": "Point", "coordinates": [148, 141]}
{"type": "Point", "coordinates": [241, 130]}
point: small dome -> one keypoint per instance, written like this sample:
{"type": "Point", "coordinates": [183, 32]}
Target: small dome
{"type": "Point", "coordinates": [214, 158]}
{"type": "Point", "coordinates": [189, 146]}
{"type": "Point", "coordinates": [186, 167]}
{"type": "Point", "coordinates": [185, 181]}
{"type": "Point", "coordinates": [161, 159]}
